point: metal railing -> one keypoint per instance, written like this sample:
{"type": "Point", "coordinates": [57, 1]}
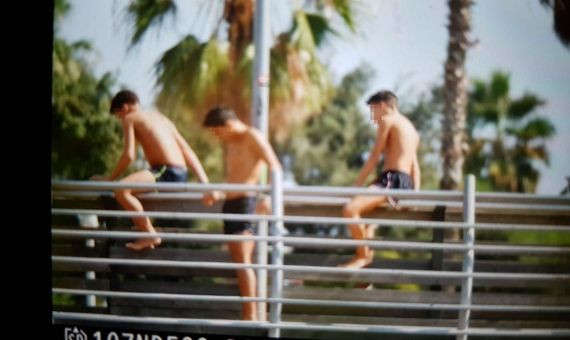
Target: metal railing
{"type": "Point", "coordinates": [466, 200]}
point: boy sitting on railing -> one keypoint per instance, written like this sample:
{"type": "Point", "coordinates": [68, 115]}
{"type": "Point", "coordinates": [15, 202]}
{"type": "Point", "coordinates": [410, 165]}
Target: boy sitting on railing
{"type": "Point", "coordinates": [398, 140]}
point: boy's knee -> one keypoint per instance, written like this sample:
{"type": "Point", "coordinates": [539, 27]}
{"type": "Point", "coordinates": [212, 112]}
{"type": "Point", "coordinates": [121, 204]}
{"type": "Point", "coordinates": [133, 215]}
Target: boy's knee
{"type": "Point", "coordinates": [348, 210]}
{"type": "Point", "coordinates": [238, 258]}
{"type": "Point", "coordinates": [121, 193]}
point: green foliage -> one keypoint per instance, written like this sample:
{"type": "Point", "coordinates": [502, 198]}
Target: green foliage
{"type": "Point", "coordinates": [505, 159]}
{"type": "Point", "coordinates": [85, 138]}
{"type": "Point", "coordinates": [329, 149]}
{"type": "Point", "coordinates": [148, 13]}
{"type": "Point", "coordinates": [194, 75]}
{"type": "Point", "coordinates": [64, 300]}
{"type": "Point", "coordinates": [60, 9]}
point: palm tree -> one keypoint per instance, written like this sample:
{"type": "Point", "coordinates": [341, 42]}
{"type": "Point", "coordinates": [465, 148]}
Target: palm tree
{"type": "Point", "coordinates": [453, 144]}
{"type": "Point", "coordinates": [506, 159]}
{"type": "Point", "coordinates": [195, 75]}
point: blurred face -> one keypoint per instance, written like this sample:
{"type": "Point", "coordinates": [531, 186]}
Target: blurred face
{"type": "Point", "coordinates": [223, 133]}
{"type": "Point", "coordinates": [120, 113]}
{"type": "Point", "coordinates": [125, 109]}
{"type": "Point", "coordinates": [378, 111]}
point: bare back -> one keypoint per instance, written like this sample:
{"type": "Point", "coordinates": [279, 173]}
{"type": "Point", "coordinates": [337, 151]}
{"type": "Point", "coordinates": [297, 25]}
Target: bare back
{"type": "Point", "coordinates": [401, 144]}
{"type": "Point", "coordinates": [156, 135]}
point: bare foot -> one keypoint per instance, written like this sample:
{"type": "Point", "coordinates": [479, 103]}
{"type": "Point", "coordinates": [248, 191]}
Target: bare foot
{"type": "Point", "coordinates": [364, 285]}
{"type": "Point", "coordinates": [144, 243]}
{"type": "Point", "coordinates": [357, 262]}
{"type": "Point", "coordinates": [252, 317]}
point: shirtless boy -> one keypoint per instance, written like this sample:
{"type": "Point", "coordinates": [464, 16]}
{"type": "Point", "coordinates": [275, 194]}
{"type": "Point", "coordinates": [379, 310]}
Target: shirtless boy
{"type": "Point", "coordinates": [398, 141]}
{"type": "Point", "coordinates": [165, 149]}
{"type": "Point", "coordinates": [246, 153]}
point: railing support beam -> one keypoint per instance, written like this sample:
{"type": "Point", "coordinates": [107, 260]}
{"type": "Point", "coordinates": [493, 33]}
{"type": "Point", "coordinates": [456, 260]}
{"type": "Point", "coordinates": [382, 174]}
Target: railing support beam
{"type": "Point", "coordinates": [277, 253]}
{"type": "Point", "coordinates": [469, 256]}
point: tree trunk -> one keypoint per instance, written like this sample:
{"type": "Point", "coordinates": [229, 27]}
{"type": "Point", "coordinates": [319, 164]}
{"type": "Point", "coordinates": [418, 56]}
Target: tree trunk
{"type": "Point", "coordinates": [454, 144]}
{"type": "Point", "coordinates": [239, 16]}
{"type": "Point", "coordinates": [454, 141]}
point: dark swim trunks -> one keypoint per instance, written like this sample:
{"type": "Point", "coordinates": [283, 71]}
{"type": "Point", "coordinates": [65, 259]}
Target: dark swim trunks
{"type": "Point", "coordinates": [393, 179]}
{"type": "Point", "coordinates": [241, 205]}
{"type": "Point", "coordinates": [169, 173]}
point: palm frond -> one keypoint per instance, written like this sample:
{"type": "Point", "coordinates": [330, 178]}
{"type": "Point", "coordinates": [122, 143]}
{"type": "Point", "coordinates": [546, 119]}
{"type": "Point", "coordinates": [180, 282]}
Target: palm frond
{"type": "Point", "coordinates": [499, 87]}
{"type": "Point", "coordinates": [535, 128]}
{"type": "Point", "coordinates": [320, 28]}
{"type": "Point", "coordinates": [519, 108]}
{"type": "Point", "coordinates": [146, 14]}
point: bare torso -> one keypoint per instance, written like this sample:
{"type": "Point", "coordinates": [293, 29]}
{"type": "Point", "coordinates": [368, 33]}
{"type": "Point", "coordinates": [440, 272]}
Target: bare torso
{"type": "Point", "coordinates": [401, 144]}
{"type": "Point", "coordinates": [155, 133]}
{"type": "Point", "coordinates": [244, 161]}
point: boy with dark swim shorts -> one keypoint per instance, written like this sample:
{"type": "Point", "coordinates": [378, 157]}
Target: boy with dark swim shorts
{"type": "Point", "coordinates": [246, 153]}
{"type": "Point", "coordinates": [398, 141]}
{"type": "Point", "coordinates": [165, 150]}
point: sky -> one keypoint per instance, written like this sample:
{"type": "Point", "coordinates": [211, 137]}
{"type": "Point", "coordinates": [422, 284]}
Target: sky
{"type": "Point", "coordinates": [405, 41]}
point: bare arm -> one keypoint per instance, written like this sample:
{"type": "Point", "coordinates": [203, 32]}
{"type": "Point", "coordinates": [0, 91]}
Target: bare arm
{"type": "Point", "coordinates": [416, 174]}
{"type": "Point", "coordinates": [190, 157]}
{"type": "Point", "coordinates": [379, 146]}
{"type": "Point", "coordinates": [265, 151]}
{"type": "Point", "coordinates": [128, 155]}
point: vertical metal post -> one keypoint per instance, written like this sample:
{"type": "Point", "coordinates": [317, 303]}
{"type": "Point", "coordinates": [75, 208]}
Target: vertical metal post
{"type": "Point", "coordinates": [260, 99]}
{"type": "Point", "coordinates": [91, 222]}
{"type": "Point", "coordinates": [259, 114]}
{"type": "Point", "coordinates": [469, 257]}
{"type": "Point", "coordinates": [261, 255]}
{"type": "Point", "coordinates": [277, 253]}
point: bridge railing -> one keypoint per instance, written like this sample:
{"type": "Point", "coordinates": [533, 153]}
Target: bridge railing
{"type": "Point", "coordinates": [508, 277]}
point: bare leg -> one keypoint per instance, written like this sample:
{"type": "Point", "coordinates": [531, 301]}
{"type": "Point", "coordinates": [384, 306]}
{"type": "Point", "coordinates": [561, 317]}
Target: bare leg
{"type": "Point", "coordinates": [242, 252]}
{"type": "Point", "coordinates": [129, 202]}
{"type": "Point", "coordinates": [354, 209]}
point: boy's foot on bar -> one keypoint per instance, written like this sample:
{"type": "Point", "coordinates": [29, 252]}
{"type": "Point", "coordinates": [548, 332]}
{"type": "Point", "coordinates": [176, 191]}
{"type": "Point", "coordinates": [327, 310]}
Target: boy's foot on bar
{"type": "Point", "coordinates": [357, 262]}
{"type": "Point", "coordinates": [144, 243]}
{"type": "Point", "coordinates": [364, 285]}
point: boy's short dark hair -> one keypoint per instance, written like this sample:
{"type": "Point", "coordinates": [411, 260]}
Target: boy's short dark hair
{"type": "Point", "coordinates": [218, 116]}
{"type": "Point", "coordinates": [121, 98]}
{"type": "Point", "coordinates": [385, 96]}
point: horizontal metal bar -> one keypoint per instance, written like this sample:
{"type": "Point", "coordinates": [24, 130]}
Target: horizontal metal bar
{"type": "Point", "coordinates": [310, 269]}
{"type": "Point", "coordinates": [338, 201]}
{"type": "Point", "coordinates": [289, 199]}
{"type": "Point", "coordinates": [481, 197]}
{"type": "Point", "coordinates": [353, 191]}
{"type": "Point", "coordinates": [522, 206]}
{"type": "Point", "coordinates": [317, 242]}
{"type": "Point", "coordinates": [106, 185]}
{"type": "Point", "coordinates": [304, 219]}
{"type": "Point", "coordinates": [312, 302]}
{"type": "Point", "coordinates": [254, 217]}
{"type": "Point", "coordinates": [188, 186]}
{"type": "Point", "coordinates": [224, 265]}
{"type": "Point", "coordinates": [520, 197]}
{"type": "Point", "coordinates": [364, 328]}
